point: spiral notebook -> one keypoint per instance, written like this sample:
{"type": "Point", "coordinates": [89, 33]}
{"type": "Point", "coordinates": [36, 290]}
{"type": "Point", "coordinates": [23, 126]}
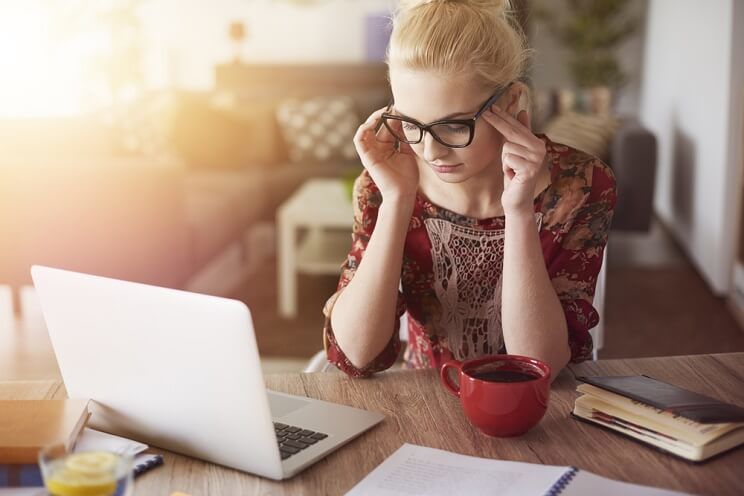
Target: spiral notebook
{"type": "Point", "coordinates": [416, 469]}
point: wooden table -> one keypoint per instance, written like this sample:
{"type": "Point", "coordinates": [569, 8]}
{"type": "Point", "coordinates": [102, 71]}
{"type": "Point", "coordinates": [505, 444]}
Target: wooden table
{"type": "Point", "coordinates": [419, 411]}
{"type": "Point", "coordinates": [25, 349]}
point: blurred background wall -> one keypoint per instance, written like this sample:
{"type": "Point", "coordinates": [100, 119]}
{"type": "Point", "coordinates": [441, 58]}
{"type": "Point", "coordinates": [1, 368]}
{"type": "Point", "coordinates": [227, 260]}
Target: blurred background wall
{"type": "Point", "coordinates": [277, 32]}
{"type": "Point", "coordinates": [692, 100]}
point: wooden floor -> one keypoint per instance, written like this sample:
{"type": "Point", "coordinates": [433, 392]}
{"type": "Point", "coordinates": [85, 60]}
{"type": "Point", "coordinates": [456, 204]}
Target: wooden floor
{"type": "Point", "coordinates": [654, 312]}
{"type": "Point", "coordinates": [656, 305]}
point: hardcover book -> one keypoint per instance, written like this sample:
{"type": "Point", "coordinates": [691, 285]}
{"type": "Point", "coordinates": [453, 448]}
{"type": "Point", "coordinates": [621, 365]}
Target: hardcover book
{"type": "Point", "coordinates": [680, 422]}
{"type": "Point", "coordinates": [28, 425]}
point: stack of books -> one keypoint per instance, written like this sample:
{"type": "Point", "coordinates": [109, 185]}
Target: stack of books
{"type": "Point", "coordinates": [680, 422]}
{"type": "Point", "coordinates": [28, 425]}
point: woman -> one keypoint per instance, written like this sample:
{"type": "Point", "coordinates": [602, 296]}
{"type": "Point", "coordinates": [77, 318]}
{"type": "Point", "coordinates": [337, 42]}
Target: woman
{"type": "Point", "coordinates": [494, 235]}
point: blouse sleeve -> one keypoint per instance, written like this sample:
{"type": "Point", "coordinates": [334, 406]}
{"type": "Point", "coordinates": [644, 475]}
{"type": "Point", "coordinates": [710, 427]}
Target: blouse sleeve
{"type": "Point", "coordinates": [574, 270]}
{"type": "Point", "coordinates": [366, 200]}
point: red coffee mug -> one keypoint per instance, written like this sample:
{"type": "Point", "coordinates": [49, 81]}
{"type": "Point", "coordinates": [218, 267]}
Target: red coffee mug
{"type": "Point", "coordinates": [500, 409]}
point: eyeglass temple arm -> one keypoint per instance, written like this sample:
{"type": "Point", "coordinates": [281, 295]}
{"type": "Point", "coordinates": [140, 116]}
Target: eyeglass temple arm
{"type": "Point", "coordinates": [493, 99]}
{"type": "Point", "coordinates": [381, 123]}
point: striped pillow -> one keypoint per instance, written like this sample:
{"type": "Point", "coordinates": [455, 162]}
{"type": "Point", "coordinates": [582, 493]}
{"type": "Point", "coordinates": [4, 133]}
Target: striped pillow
{"type": "Point", "coordinates": [590, 133]}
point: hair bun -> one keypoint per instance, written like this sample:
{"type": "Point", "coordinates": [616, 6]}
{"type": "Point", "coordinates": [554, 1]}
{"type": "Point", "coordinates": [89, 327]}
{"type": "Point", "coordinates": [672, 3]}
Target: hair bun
{"type": "Point", "coordinates": [493, 6]}
{"type": "Point", "coordinates": [481, 38]}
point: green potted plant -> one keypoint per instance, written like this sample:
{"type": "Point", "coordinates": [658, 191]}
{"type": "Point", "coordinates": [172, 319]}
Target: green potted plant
{"type": "Point", "coordinates": [592, 30]}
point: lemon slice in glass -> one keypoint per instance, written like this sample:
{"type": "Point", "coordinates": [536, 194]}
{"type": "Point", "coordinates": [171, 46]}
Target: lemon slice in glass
{"type": "Point", "coordinates": [66, 482]}
{"type": "Point", "coordinates": [84, 474]}
{"type": "Point", "coordinates": [92, 463]}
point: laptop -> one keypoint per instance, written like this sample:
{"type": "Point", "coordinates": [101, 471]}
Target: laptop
{"type": "Point", "coordinates": [181, 371]}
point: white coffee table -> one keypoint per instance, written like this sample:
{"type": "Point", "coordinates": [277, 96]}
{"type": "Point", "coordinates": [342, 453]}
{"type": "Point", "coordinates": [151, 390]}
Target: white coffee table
{"type": "Point", "coordinates": [314, 236]}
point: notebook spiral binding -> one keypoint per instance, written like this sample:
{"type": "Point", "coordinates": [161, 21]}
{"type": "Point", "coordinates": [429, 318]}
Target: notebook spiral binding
{"type": "Point", "coordinates": [141, 468]}
{"type": "Point", "coordinates": [563, 482]}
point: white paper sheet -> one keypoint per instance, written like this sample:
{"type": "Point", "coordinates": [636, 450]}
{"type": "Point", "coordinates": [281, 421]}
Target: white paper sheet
{"type": "Point", "coordinates": [417, 470]}
{"type": "Point", "coordinates": [23, 491]}
{"type": "Point", "coordinates": [587, 483]}
{"type": "Point", "coordinates": [93, 440]}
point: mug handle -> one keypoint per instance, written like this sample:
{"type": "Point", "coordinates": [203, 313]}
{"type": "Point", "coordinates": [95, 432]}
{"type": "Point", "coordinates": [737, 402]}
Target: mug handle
{"type": "Point", "coordinates": [450, 386]}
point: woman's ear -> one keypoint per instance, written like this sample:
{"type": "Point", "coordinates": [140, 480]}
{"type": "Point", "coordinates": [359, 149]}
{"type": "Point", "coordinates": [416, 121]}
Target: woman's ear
{"type": "Point", "coordinates": [516, 95]}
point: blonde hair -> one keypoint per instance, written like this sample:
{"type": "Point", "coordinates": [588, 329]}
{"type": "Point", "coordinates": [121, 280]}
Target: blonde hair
{"type": "Point", "coordinates": [453, 37]}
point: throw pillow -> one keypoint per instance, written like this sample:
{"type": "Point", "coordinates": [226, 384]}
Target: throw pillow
{"type": "Point", "coordinates": [318, 129]}
{"type": "Point", "coordinates": [586, 132]}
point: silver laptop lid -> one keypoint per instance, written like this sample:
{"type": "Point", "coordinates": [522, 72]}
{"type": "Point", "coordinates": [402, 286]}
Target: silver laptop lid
{"type": "Point", "coordinates": [174, 369]}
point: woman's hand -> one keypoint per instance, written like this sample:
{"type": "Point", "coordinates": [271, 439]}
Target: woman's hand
{"type": "Point", "coordinates": [394, 171]}
{"type": "Point", "coordinates": [522, 159]}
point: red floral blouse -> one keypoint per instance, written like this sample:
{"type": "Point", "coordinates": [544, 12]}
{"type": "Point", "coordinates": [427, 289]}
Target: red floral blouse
{"type": "Point", "coordinates": [452, 265]}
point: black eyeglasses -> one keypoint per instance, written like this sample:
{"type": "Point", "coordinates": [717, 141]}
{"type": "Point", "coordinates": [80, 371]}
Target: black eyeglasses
{"type": "Point", "coordinates": [454, 133]}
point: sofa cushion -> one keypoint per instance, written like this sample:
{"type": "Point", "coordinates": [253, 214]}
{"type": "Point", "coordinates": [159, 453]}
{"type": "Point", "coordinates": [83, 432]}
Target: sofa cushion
{"type": "Point", "coordinates": [243, 190]}
{"type": "Point", "coordinates": [587, 132]}
{"type": "Point", "coordinates": [221, 205]}
{"type": "Point", "coordinates": [213, 226]}
{"type": "Point", "coordinates": [263, 143]}
{"type": "Point", "coordinates": [219, 133]}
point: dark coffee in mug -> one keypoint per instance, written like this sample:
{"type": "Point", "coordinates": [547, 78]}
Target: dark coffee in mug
{"type": "Point", "coordinates": [503, 376]}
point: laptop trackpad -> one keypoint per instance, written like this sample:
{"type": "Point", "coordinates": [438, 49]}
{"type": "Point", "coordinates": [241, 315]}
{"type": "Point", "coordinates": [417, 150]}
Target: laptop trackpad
{"type": "Point", "coordinates": [281, 405]}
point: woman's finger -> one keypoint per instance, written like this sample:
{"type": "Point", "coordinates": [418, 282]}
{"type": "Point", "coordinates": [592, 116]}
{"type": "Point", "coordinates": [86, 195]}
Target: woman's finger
{"type": "Point", "coordinates": [521, 122]}
{"type": "Point", "coordinates": [361, 138]}
{"type": "Point", "coordinates": [367, 128]}
{"type": "Point", "coordinates": [524, 118]}
{"type": "Point", "coordinates": [508, 174]}
{"type": "Point", "coordinates": [384, 135]}
{"type": "Point", "coordinates": [508, 130]}
{"type": "Point", "coordinates": [405, 148]}
{"type": "Point", "coordinates": [372, 123]}
{"type": "Point", "coordinates": [522, 151]}
{"type": "Point", "coordinates": [519, 165]}
{"type": "Point", "coordinates": [374, 118]}
{"type": "Point", "coordinates": [511, 128]}
{"type": "Point", "coordinates": [363, 128]}
{"type": "Point", "coordinates": [377, 113]}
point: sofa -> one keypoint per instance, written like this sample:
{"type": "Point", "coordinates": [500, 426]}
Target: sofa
{"type": "Point", "coordinates": [633, 157]}
{"type": "Point", "coordinates": [185, 221]}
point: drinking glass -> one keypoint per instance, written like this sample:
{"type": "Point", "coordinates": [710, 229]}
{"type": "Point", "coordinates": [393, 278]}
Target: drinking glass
{"type": "Point", "coordinates": [89, 473]}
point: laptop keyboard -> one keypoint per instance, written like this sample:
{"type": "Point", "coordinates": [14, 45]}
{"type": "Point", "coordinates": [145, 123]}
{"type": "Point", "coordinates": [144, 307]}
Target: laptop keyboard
{"type": "Point", "coordinates": [294, 439]}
